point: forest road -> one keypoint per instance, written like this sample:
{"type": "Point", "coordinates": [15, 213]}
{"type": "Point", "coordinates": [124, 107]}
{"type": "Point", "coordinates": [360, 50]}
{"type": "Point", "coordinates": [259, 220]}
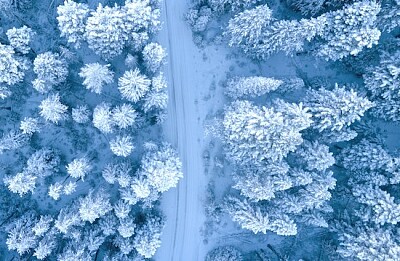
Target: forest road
{"type": "Point", "coordinates": [181, 239]}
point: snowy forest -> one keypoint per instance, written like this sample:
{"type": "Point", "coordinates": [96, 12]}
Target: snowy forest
{"type": "Point", "coordinates": [210, 130]}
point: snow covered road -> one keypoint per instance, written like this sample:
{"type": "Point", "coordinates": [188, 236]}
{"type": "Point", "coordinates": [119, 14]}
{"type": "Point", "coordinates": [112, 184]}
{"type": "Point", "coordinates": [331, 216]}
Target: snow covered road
{"type": "Point", "coordinates": [182, 206]}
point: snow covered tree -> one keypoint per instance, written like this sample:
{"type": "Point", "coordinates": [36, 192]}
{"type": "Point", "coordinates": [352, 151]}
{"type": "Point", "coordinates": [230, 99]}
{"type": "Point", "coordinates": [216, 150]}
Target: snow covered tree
{"type": "Point", "coordinates": [225, 253]}
{"type": "Point", "coordinates": [106, 31]}
{"type": "Point", "coordinates": [139, 15]}
{"type": "Point", "coordinates": [157, 97]}
{"type": "Point", "coordinates": [316, 156]}
{"type": "Point", "coordinates": [141, 187]}
{"type": "Point", "coordinates": [45, 246]}
{"type": "Point", "coordinates": [148, 236]}
{"type": "Point", "coordinates": [29, 125]}
{"type": "Point", "coordinates": [71, 19]}
{"type": "Point", "coordinates": [43, 225]}
{"type": "Point", "coordinates": [122, 209]}
{"type": "Point", "coordinates": [108, 224]}
{"type": "Point", "coordinates": [55, 190]}
{"type": "Point", "coordinates": [126, 227]}
{"type": "Point", "coordinates": [13, 140]}
{"type": "Point", "coordinates": [243, 87]}
{"type": "Point", "coordinates": [94, 205]}
{"type": "Point", "coordinates": [255, 135]}
{"type": "Point", "coordinates": [336, 109]}
{"type": "Point", "coordinates": [51, 109]}
{"type": "Point", "coordinates": [96, 76]}
{"type": "Point", "coordinates": [79, 168]}
{"type": "Point", "coordinates": [122, 145]}
{"type": "Point", "coordinates": [389, 17]}
{"type": "Point", "coordinates": [360, 242]}
{"type": "Point", "coordinates": [67, 218]}
{"type": "Point", "coordinates": [366, 156]}
{"type": "Point", "coordinates": [20, 236]}
{"type": "Point", "coordinates": [133, 85]}
{"type": "Point", "coordinates": [124, 115]}
{"type": "Point", "coordinates": [383, 81]}
{"type": "Point", "coordinates": [81, 114]}
{"type": "Point", "coordinates": [248, 216]}
{"type": "Point", "coordinates": [154, 57]}
{"type": "Point", "coordinates": [12, 67]}
{"type": "Point", "coordinates": [5, 92]}
{"type": "Point", "coordinates": [233, 5]}
{"type": "Point", "coordinates": [349, 30]}
{"type": "Point", "coordinates": [102, 118]}
{"type": "Point", "coordinates": [69, 188]}
{"type": "Point", "coordinates": [21, 183]}
{"type": "Point", "coordinates": [162, 167]}
{"type": "Point", "coordinates": [51, 70]}
{"type": "Point", "coordinates": [20, 38]}
{"type": "Point", "coordinates": [262, 183]}
{"type": "Point", "coordinates": [247, 27]}
{"type": "Point", "coordinates": [43, 163]}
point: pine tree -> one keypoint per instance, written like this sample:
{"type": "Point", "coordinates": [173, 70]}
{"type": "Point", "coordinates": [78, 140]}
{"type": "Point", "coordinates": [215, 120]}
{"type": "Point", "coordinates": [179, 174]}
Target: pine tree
{"type": "Point", "coordinates": [248, 216]}
{"type": "Point", "coordinates": [79, 168]}
{"type": "Point", "coordinates": [316, 156]}
{"type": "Point", "coordinates": [122, 209]}
{"type": "Point", "coordinates": [122, 145]}
{"type": "Point", "coordinates": [45, 246]}
{"type": "Point", "coordinates": [154, 56]}
{"type": "Point", "coordinates": [43, 163]}
{"type": "Point", "coordinates": [12, 67]}
{"type": "Point", "coordinates": [51, 70]}
{"type": "Point", "coordinates": [133, 85]}
{"type": "Point", "coordinates": [43, 225]}
{"type": "Point", "coordinates": [13, 140]}
{"type": "Point", "coordinates": [336, 109]}
{"type": "Point", "coordinates": [124, 115]}
{"type": "Point", "coordinates": [29, 126]}
{"type": "Point", "coordinates": [81, 114]}
{"type": "Point", "coordinates": [68, 217]}
{"type": "Point", "coordinates": [254, 135]}
{"type": "Point", "coordinates": [55, 190]}
{"type": "Point", "coordinates": [21, 183]}
{"type": "Point", "coordinates": [106, 32]}
{"type": "Point", "coordinates": [147, 239]}
{"type": "Point", "coordinates": [20, 236]}
{"type": "Point", "coordinates": [349, 30]}
{"type": "Point", "coordinates": [262, 183]}
{"type": "Point", "coordinates": [96, 76]}
{"type": "Point", "coordinates": [102, 118]}
{"type": "Point", "coordinates": [225, 253]}
{"type": "Point", "coordinates": [108, 224]}
{"type": "Point", "coordinates": [157, 97]}
{"type": "Point", "coordinates": [94, 205]}
{"type": "Point", "coordinates": [232, 5]}
{"type": "Point", "coordinates": [360, 242]}
{"type": "Point", "coordinates": [20, 38]}
{"type": "Point", "coordinates": [139, 15]}
{"type": "Point", "coordinates": [71, 19]}
{"type": "Point", "coordinates": [163, 168]}
{"type": "Point", "coordinates": [250, 87]}
{"type": "Point", "coordinates": [126, 227]}
{"type": "Point", "coordinates": [51, 109]}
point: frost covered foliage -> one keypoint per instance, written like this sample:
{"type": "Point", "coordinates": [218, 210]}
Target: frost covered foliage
{"type": "Point", "coordinates": [12, 66]}
{"type": "Point", "coordinates": [122, 146]}
{"type": "Point", "coordinates": [389, 17]}
{"type": "Point", "coordinates": [249, 87]}
{"type": "Point", "coordinates": [162, 167]}
{"type": "Point", "coordinates": [225, 253]}
{"type": "Point", "coordinates": [51, 109]}
{"type": "Point", "coordinates": [148, 236]}
{"type": "Point", "coordinates": [340, 33]}
{"type": "Point", "coordinates": [105, 31]}
{"type": "Point", "coordinates": [255, 134]}
{"type": "Point", "coordinates": [359, 242]}
{"type": "Point", "coordinates": [350, 30]}
{"type": "Point", "coordinates": [71, 19]}
{"type": "Point", "coordinates": [154, 57]}
{"type": "Point", "coordinates": [102, 118]}
{"type": "Point", "coordinates": [157, 97]}
{"type": "Point", "coordinates": [12, 140]}
{"type": "Point", "coordinates": [232, 5]}
{"type": "Point", "coordinates": [383, 82]}
{"type": "Point", "coordinates": [95, 76]}
{"type": "Point", "coordinates": [20, 38]}
{"type": "Point", "coordinates": [336, 109]}
{"type": "Point", "coordinates": [51, 70]}
{"type": "Point", "coordinates": [109, 29]}
{"type": "Point", "coordinates": [133, 85]}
